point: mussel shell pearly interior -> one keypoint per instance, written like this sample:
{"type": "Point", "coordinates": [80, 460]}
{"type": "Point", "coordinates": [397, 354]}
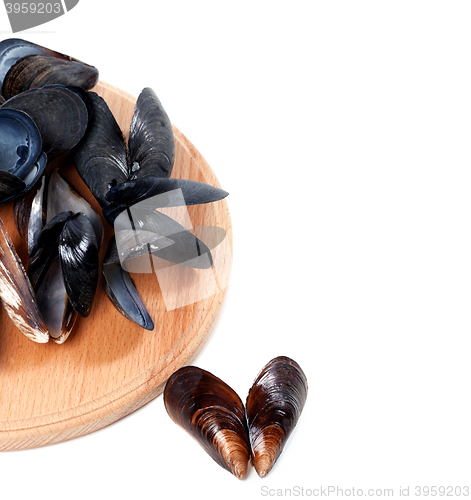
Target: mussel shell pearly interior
{"type": "Point", "coordinates": [212, 413]}
{"type": "Point", "coordinates": [60, 115]}
{"type": "Point", "coordinates": [39, 70]}
{"type": "Point", "coordinates": [17, 294]}
{"type": "Point", "coordinates": [21, 159]}
{"type": "Point", "coordinates": [20, 142]}
{"type": "Point", "coordinates": [151, 140]}
{"type": "Point", "coordinates": [274, 405]}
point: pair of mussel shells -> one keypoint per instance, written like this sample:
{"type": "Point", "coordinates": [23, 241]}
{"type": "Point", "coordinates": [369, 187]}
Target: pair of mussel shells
{"type": "Point", "coordinates": [212, 412]}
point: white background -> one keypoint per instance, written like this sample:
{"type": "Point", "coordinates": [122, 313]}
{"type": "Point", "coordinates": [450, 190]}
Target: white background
{"type": "Point", "coordinates": [342, 131]}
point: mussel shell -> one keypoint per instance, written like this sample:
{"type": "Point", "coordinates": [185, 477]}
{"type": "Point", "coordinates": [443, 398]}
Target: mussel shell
{"type": "Point", "coordinates": [274, 405]}
{"type": "Point", "coordinates": [212, 413]}
{"type": "Point", "coordinates": [38, 70]}
{"type": "Point", "coordinates": [78, 252]}
{"type": "Point", "coordinates": [151, 140]}
{"type": "Point", "coordinates": [2, 99]}
{"type": "Point", "coordinates": [20, 142]}
{"type": "Point", "coordinates": [60, 115]}
{"type": "Point", "coordinates": [122, 292]}
{"type": "Point", "coordinates": [17, 294]}
{"type": "Point", "coordinates": [21, 160]}
{"type": "Point", "coordinates": [103, 150]}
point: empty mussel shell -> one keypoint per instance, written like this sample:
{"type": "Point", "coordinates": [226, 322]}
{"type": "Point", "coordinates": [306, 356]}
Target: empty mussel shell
{"type": "Point", "coordinates": [274, 405]}
{"type": "Point", "coordinates": [16, 292]}
{"type": "Point", "coordinates": [21, 160]}
{"type": "Point", "coordinates": [212, 413]}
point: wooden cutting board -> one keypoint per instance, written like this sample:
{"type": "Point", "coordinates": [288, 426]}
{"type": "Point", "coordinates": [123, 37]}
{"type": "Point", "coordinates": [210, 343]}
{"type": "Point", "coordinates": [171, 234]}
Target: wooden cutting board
{"type": "Point", "coordinates": [109, 366]}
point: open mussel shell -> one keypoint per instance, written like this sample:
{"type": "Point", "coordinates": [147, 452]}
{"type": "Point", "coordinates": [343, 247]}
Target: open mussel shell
{"type": "Point", "coordinates": [21, 159]}
{"type": "Point", "coordinates": [151, 140]}
{"type": "Point", "coordinates": [17, 294]}
{"type": "Point", "coordinates": [274, 405]}
{"type": "Point", "coordinates": [20, 56]}
{"type": "Point", "coordinates": [121, 289]}
{"type": "Point", "coordinates": [212, 413]}
{"type": "Point", "coordinates": [60, 115]}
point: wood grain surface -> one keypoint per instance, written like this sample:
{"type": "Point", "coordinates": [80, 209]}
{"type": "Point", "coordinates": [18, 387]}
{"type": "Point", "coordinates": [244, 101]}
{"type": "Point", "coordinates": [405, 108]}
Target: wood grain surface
{"type": "Point", "coordinates": [109, 366]}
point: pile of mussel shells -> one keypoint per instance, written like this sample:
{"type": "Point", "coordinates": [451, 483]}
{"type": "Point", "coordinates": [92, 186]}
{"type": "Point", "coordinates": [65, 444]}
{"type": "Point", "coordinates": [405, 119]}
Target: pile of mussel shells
{"type": "Point", "coordinates": [48, 111]}
{"type": "Point", "coordinates": [213, 413]}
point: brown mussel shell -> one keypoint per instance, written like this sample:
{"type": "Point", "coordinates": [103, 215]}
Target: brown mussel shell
{"type": "Point", "coordinates": [274, 405]}
{"type": "Point", "coordinates": [212, 413]}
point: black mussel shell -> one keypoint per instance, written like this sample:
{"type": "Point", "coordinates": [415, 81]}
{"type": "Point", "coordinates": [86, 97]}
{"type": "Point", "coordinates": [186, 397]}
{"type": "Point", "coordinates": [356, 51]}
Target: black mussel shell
{"type": "Point", "coordinates": [21, 159]}
{"type": "Point", "coordinates": [103, 150]}
{"type": "Point", "coordinates": [186, 248]}
{"type": "Point", "coordinates": [2, 99]}
{"type": "Point", "coordinates": [274, 405]}
{"type": "Point", "coordinates": [78, 252]}
{"type": "Point", "coordinates": [121, 290]}
{"type": "Point", "coordinates": [212, 413]}
{"type": "Point", "coordinates": [13, 50]}
{"type": "Point", "coordinates": [39, 70]}
{"type": "Point", "coordinates": [163, 192]}
{"type": "Point", "coordinates": [60, 115]}
{"type": "Point", "coordinates": [16, 292]}
{"type": "Point", "coordinates": [151, 140]}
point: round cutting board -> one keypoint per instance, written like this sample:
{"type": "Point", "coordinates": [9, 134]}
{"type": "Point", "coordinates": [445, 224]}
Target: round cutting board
{"type": "Point", "coordinates": [109, 366]}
